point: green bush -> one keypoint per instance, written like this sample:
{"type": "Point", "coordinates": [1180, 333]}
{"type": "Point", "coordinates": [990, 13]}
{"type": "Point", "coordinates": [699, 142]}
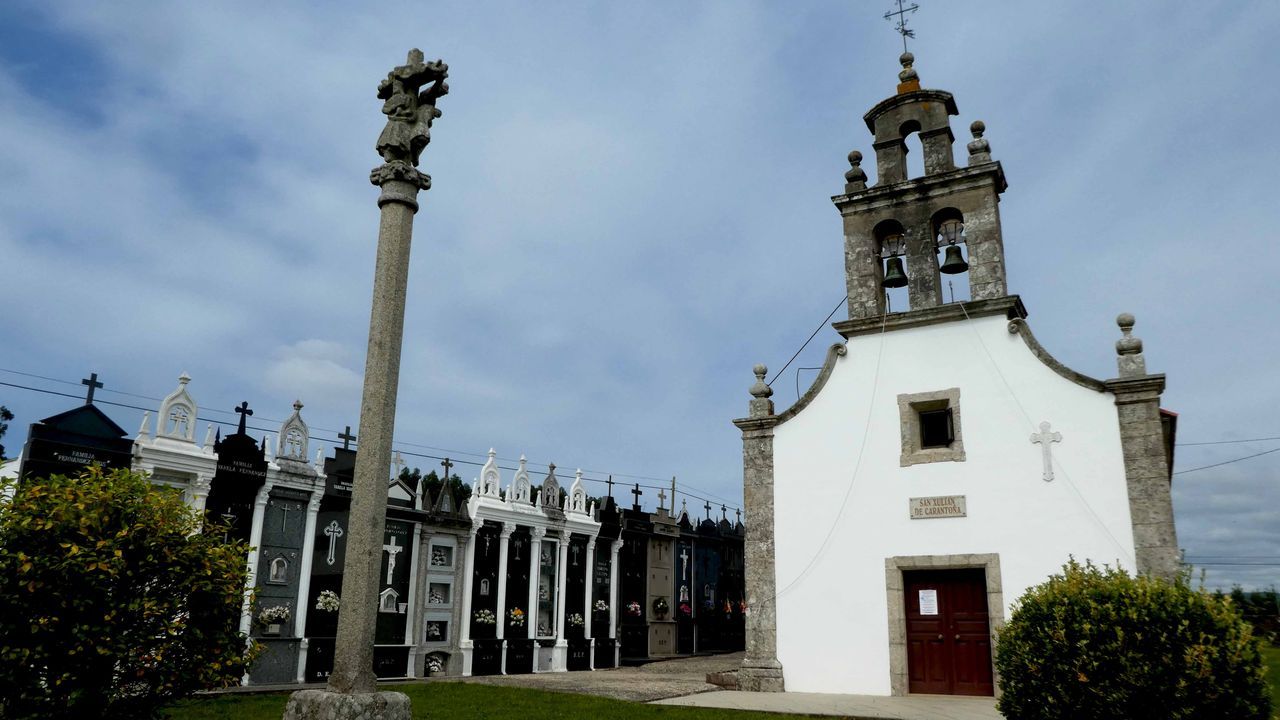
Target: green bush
{"type": "Point", "coordinates": [111, 600]}
{"type": "Point", "coordinates": [1098, 643]}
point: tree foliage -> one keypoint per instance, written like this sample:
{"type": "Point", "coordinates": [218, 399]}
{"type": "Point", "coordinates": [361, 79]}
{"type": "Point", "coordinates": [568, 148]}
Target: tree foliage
{"type": "Point", "coordinates": [1098, 643]}
{"type": "Point", "coordinates": [111, 600]}
{"type": "Point", "coordinates": [5, 417]}
{"type": "Point", "coordinates": [430, 484]}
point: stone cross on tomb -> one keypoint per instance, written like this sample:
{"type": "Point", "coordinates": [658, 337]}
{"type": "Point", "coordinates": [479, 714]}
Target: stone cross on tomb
{"type": "Point", "coordinates": [245, 412]}
{"type": "Point", "coordinates": [334, 531]}
{"type": "Point", "coordinates": [392, 550]}
{"type": "Point", "coordinates": [684, 563]}
{"type": "Point", "coordinates": [637, 492]}
{"type": "Point", "coordinates": [737, 515]}
{"type": "Point", "coordinates": [1046, 440]}
{"type": "Point", "coordinates": [577, 550]}
{"type": "Point", "coordinates": [397, 464]}
{"type": "Point", "coordinates": [447, 465]}
{"type": "Point", "coordinates": [346, 437]}
{"type": "Point", "coordinates": [284, 517]}
{"type": "Point", "coordinates": [724, 513]}
{"type": "Point", "coordinates": [662, 499]}
{"type": "Point", "coordinates": [609, 482]}
{"type": "Point", "coordinates": [92, 382]}
{"type": "Point", "coordinates": [707, 507]}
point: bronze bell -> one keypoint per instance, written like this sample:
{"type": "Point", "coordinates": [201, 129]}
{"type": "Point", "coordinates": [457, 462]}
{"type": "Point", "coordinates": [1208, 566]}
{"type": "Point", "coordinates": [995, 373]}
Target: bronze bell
{"type": "Point", "coordinates": [954, 262]}
{"type": "Point", "coordinates": [895, 276]}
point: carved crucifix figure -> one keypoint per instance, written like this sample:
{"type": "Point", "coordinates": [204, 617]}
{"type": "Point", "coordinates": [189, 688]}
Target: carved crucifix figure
{"type": "Point", "coordinates": [1046, 440]}
{"type": "Point", "coordinates": [684, 563]}
{"type": "Point", "coordinates": [410, 112]}
{"type": "Point", "coordinates": [392, 550]}
{"type": "Point", "coordinates": [334, 531]}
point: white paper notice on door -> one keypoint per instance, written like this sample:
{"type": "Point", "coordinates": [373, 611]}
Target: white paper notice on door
{"type": "Point", "coordinates": [928, 602]}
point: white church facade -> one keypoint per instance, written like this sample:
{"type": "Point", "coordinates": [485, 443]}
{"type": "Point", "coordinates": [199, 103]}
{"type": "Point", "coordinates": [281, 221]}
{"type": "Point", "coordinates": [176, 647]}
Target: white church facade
{"type": "Point", "coordinates": [942, 462]}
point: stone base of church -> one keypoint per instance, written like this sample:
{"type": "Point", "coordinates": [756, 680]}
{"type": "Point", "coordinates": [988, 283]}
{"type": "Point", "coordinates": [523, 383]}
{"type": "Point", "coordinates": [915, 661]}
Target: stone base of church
{"type": "Point", "coordinates": [325, 705]}
{"type": "Point", "coordinates": [761, 679]}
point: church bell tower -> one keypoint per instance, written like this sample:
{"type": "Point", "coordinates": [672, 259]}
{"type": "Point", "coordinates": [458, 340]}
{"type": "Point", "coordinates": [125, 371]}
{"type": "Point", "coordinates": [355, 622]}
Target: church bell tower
{"type": "Point", "coordinates": [895, 230]}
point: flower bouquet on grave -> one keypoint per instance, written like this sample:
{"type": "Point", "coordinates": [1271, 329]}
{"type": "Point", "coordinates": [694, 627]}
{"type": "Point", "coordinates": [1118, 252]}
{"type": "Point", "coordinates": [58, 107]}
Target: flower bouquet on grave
{"type": "Point", "coordinates": [328, 601]}
{"type": "Point", "coordinates": [602, 606]}
{"type": "Point", "coordinates": [576, 620]}
{"type": "Point", "coordinates": [742, 606]}
{"type": "Point", "coordinates": [685, 610]}
{"type": "Point", "coordinates": [634, 609]}
{"type": "Point", "coordinates": [271, 618]}
{"type": "Point", "coordinates": [485, 617]}
{"type": "Point", "coordinates": [434, 664]}
{"type": "Point", "coordinates": [516, 617]}
{"type": "Point", "coordinates": [661, 607]}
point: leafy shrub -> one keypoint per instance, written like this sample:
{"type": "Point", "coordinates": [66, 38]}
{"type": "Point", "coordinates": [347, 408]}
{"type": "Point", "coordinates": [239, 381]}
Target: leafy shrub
{"type": "Point", "coordinates": [1098, 643]}
{"type": "Point", "coordinates": [111, 600]}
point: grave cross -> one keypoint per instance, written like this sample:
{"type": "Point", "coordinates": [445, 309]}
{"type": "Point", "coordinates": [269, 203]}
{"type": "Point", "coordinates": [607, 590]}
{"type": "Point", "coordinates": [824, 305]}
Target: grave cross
{"type": "Point", "coordinates": [684, 563]}
{"type": "Point", "coordinates": [1046, 440]}
{"type": "Point", "coordinates": [901, 25]}
{"type": "Point", "coordinates": [662, 499]}
{"type": "Point", "coordinates": [346, 437]}
{"type": "Point", "coordinates": [447, 464]}
{"type": "Point", "coordinates": [637, 492]}
{"type": "Point", "coordinates": [284, 517]}
{"type": "Point", "coordinates": [397, 463]}
{"type": "Point", "coordinates": [737, 514]}
{"type": "Point", "coordinates": [92, 382]}
{"type": "Point", "coordinates": [724, 513]}
{"type": "Point", "coordinates": [245, 412]}
{"type": "Point", "coordinates": [392, 550]}
{"type": "Point", "coordinates": [334, 531]}
{"type": "Point", "coordinates": [576, 551]}
{"type": "Point", "coordinates": [609, 482]}
{"type": "Point", "coordinates": [707, 507]}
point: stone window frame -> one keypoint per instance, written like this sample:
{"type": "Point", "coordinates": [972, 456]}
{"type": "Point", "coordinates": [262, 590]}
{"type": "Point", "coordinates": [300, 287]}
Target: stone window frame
{"type": "Point", "coordinates": [895, 590]}
{"type": "Point", "coordinates": [909, 407]}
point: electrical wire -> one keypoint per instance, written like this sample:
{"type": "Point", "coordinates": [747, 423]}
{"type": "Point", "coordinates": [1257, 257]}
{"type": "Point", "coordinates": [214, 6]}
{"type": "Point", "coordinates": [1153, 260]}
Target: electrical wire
{"type": "Point", "coordinates": [816, 330]}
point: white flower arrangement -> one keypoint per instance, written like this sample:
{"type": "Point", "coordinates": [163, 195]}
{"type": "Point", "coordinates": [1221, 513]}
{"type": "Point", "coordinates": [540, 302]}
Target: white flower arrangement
{"type": "Point", "coordinates": [516, 617]}
{"type": "Point", "coordinates": [274, 614]}
{"type": "Point", "coordinates": [485, 617]}
{"type": "Point", "coordinates": [575, 620]}
{"type": "Point", "coordinates": [434, 663]}
{"type": "Point", "coordinates": [328, 601]}
{"type": "Point", "coordinates": [602, 606]}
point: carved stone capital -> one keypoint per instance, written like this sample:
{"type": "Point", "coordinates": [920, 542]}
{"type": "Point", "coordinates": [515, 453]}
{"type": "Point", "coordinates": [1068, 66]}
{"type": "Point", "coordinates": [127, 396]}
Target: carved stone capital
{"type": "Point", "coordinates": [400, 170]}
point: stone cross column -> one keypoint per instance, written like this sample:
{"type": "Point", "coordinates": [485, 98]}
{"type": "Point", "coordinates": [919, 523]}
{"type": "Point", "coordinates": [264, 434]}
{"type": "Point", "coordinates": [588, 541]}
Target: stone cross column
{"type": "Point", "coordinates": [1146, 460]}
{"type": "Point", "coordinates": [410, 110]}
{"type": "Point", "coordinates": [304, 582]}
{"type": "Point", "coordinates": [761, 671]}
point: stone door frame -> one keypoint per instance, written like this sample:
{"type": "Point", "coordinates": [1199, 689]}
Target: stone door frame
{"type": "Point", "coordinates": [895, 589]}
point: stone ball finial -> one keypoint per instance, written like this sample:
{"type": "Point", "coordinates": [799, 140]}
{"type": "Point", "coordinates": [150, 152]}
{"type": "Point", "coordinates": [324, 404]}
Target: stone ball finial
{"type": "Point", "coordinates": [977, 128]}
{"type": "Point", "coordinates": [906, 59]}
{"type": "Point", "coordinates": [760, 389]}
{"type": "Point", "coordinates": [184, 378]}
{"type": "Point", "coordinates": [297, 404]}
{"type": "Point", "coordinates": [979, 148]}
{"type": "Point", "coordinates": [855, 178]}
{"type": "Point", "coordinates": [1127, 345]}
{"type": "Point", "coordinates": [908, 73]}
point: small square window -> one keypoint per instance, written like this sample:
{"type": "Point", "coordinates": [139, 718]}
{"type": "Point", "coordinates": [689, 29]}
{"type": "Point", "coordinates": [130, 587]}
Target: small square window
{"type": "Point", "coordinates": [930, 426]}
{"type": "Point", "coordinates": [935, 428]}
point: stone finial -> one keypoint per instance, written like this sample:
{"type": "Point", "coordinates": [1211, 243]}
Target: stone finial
{"type": "Point", "coordinates": [184, 378]}
{"type": "Point", "coordinates": [856, 178]}
{"type": "Point", "coordinates": [297, 405]}
{"type": "Point", "coordinates": [144, 431]}
{"type": "Point", "coordinates": [761, 405]}
{"type": "Point", "coordinates": [979, 148]}
{"type": "Point", "coordinates": [908, 79]}
{"type": "Point", "coordinates": [1129, 349]}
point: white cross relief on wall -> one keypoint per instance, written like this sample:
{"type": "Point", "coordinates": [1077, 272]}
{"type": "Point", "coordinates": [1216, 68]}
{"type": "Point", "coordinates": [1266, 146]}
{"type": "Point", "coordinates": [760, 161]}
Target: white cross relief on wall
{"type": "Point", "coordinates": [1046, 440]}
{"type": "Point", "coordinates": [392, 550]}
{"type": "Point", "coordinates": [334, 531]}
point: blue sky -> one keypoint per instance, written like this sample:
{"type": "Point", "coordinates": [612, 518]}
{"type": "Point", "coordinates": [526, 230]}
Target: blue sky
{"type": "Point", "coordinates": [631, 208]}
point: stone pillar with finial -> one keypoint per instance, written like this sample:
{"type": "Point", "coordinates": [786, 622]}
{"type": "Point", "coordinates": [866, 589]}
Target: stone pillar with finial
{"type": "Point", "coordinates": [409, 94]}
{"type": "Point", "coordinates": [979, 148]}
{"type": "Point", "coordinates": [1145, 445]}
{"type": "Point", "coordinates": [761, 671]}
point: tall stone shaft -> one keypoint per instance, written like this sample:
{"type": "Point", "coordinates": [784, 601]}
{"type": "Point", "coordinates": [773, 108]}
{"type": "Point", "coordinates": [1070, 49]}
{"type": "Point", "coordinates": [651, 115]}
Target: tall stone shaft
{"type": "Point", "coordinates": [353, 658]}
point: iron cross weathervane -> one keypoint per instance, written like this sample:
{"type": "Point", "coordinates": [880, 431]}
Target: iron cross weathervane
{"type": "Point", "coordinates": [901, 26]}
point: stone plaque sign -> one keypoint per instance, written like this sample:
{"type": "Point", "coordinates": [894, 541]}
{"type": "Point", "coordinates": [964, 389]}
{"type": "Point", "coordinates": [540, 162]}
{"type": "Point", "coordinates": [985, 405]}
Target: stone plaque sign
{"type": "Point", "coordinates": [942, 506]}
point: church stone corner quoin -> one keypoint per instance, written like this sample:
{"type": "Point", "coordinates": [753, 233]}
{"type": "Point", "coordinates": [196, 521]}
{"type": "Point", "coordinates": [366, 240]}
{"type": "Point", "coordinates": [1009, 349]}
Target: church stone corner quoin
{"type": "Point", "coordinates": [409, 94]}
{"type": "Point", "coordinates": [924, 515]}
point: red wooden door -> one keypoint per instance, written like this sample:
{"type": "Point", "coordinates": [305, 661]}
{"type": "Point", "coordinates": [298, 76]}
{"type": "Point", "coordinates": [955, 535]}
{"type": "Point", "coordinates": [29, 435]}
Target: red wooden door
{"type": "Point", "coordinates": [948, 632]}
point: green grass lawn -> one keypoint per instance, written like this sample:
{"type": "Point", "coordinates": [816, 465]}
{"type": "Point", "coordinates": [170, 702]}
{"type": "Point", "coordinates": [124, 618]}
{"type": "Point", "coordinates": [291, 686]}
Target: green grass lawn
{"type": "Point", "coordinates": [464, 701]}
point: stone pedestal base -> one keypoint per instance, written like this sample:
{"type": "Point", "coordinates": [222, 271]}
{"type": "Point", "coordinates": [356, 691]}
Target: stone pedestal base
{"type": "Point", "coordinates": [760, 679]}
{"type": "Point", "coordinates": [325, 705]}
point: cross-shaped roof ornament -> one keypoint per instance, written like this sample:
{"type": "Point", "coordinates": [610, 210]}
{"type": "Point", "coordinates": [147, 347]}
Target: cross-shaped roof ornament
{"type": "Point", "coordinates": [346, 437]}
{"type": "Point", "coordinates": [447, 465]}
{"type": "Point", "coordinates": [901, 25]}
{"type": "Point", "coordinates": [92, 382]}
{"type": "Point", "coordinates": [245, 412]}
